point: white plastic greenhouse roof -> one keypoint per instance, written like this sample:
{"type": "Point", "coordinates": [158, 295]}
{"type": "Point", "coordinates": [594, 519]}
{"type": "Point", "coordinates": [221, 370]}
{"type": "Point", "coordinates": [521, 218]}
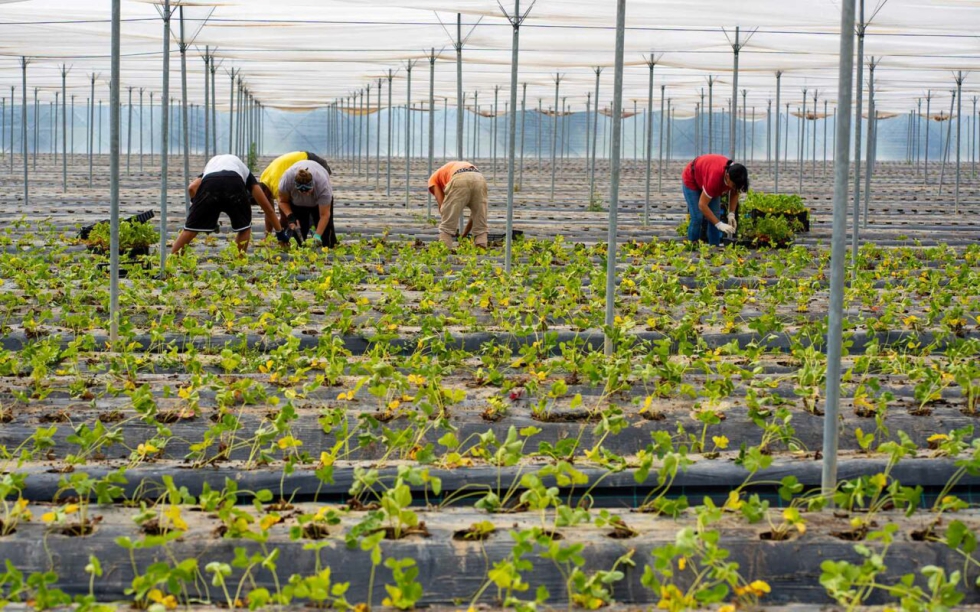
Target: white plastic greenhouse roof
{"type": "Point", "coordinates": [299, 54]}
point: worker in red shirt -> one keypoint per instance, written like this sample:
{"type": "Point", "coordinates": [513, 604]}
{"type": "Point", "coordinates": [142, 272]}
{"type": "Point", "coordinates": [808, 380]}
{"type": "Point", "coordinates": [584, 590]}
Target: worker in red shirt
{"type": "Point", "coordinates": [705, 181]}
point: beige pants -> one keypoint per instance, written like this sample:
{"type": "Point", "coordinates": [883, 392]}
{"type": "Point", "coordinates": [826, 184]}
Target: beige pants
{"type": "Point", "coordinates": [465, 190]}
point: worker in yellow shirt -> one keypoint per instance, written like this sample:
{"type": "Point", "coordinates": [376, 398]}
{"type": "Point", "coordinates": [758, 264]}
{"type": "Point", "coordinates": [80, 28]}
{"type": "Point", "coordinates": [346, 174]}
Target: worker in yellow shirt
{"type": "Point", "coordinates": [272, 176]}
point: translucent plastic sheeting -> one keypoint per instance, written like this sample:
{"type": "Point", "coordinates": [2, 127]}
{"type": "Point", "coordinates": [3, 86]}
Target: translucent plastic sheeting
{"type": "Point", "coordinates": [301, 54]}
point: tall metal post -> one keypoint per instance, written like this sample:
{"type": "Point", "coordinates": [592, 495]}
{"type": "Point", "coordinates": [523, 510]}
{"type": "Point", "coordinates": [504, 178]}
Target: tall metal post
{"type": "Point", "coordinates": [164, 135]}
{"type": "Point", "coordinates": [23, 129]}
{"type": "Point", "coordinates": [129, 135]}
{"type": "Point", "coordinates": [391, 119]}
{"type": "Point", "coordinates": [959, 134]}
{"type": "Point", "coordinates": [408, 133]}
{"type": "Point", "coordinates": [367, 133]}
{"type": "Point", "coordinates": [826, 117]}
{"type": "Point", "coordinates": [617, 113]}
{"type": "Point", "coordinates": [779, 78]}
{"type": "Point", "coordinates": [231, 112]}
{"type": "Point", "coordinates": [377, 142]}
{"type": "Point", "coordinates": [651, 64]}
{"type": "Point", "coordinates": [769, 137]}
{"type": "Point", "coordinates": [12, 94]}
{"type": "Point", "coordinates": [184, 116]}
{"type": "Point", "coordinates": [925, 167]}
{"type": "Point", "coordinates": [835, 328]}
{"type": "Point", "coordinates": [37, 127]}
{"type": "Point", "coordinates": [711, 114]}
{"type": "Point", "coordinates": [493, 127]}
{"type": "Point", "coordinates": [114, 176]}
{"type": "Point", "coordinates": [64, 130]}
{"type": "Point", "coordinates": [141, 130]}
{"type": "Point", "coordinates": [432, 126]}
{"type": "Point", "coordinates": [207, 102]}
{"type": "Point", "coordinates": [745, 140]}
{"type": "Point", "coordinates": [554, 136]}
{"type": "Point", "coordinates": [660, 163]}
{"type": "Point", "coordinates": [733, 128]}
{"type": "Point", "coordinates": [855, 222]}
{"type": "Point", "coordinates": [214, 108]}
{"type": "Point", "coordinates": [515, 20]}
{"type": "Point", "coordinates": [813, 158]}
{"type": "Point", "coordinates": [523, 125]}
{"type": "Point", "coordinates": [801, 138]}
{"type": "Point", "coordinates": [460, 101]}
{"type": "Point", "coordinates": [869, 170]}
{"type": "Point", "coordinates": [595, 133]}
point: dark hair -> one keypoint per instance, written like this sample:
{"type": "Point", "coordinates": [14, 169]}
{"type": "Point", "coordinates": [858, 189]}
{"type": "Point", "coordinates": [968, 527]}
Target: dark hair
{"type": "Point", "coordinates": [739, 176]}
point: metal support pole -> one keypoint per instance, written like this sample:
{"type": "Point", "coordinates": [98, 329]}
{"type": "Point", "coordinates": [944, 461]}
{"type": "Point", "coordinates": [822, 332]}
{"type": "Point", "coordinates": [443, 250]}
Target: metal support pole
{"type": "Point", "coordinates": [129, 135]}
{"type": "Point", "coordinates": [377, 142]}
{"type": "Point", "coordinates": [733, 130]}
{"type": "Point", "coordinates": [64, 130]}
{"type": "Point", "coordinates": [711, 114]}
{"type": "Point", "coordinates": [391, 119]}
{"type": "Point", "coordinates": [460, 103]}
{"type": "Point", "coordinates": [651, 64]}
{"type": "Point", "coordinates": [813, 158]}
{"type": "Point", "coordinates": [660, 150]}
{"type": "Point", "coordinates": [493, 126]}
{"type": "Point", "coordinates": [595, 133]}
{"type": "Point", "coordinates": [826, 116]}
{"type": "Point", "coordinates": [554, 136]}
{"type": "Point", "coordinates": [802, 142]}
{"type": "Point", "coordinates": [184, 116]}
{"type": "Point", "coordinates": [23, 129]}
{"type": "Point", "coordinates": [367, 133]}
{"type": "Point", "coordinates": [207, 102]}
{"type": "Point", "coordinates": [432, 126]}
{"type": "Point", "coordinates": [617, 112]}
{"type": "Point", "coordinates": [523, 124]}
{"type": "Point", "coordinates": [231, 113]}
{"type": "Point", "coordinates": [769, 137]}
{"type": "Point", "coordinates": [408, 133]}
{"type": "Point", "coordinates": [959, 134]}
{"type": "Point", "coordinates": [114, 176]}
{"type": "Point", "coordinates": [835, 328]}
{"type": "Point", "coordinates": [37, 127]}
{"type": "Point", "coordinates": [869, 170]}
{"type": "Point", "coordinates": [516, 20]}
{"type": "Point", "coordinates": [214, 108]}
{"type": "Point", "coordinates": [779, 78]}
{"type": "Point", "coordinates": [164, 135]}
{"type": "Point", "coordinates": [925, 166]}
{"type": "Point", "coordinates": [949, 138]}
{"type": "Point", "coordinates": [855, 222]}
{"type": "Point", "coordinates": [141, 130]}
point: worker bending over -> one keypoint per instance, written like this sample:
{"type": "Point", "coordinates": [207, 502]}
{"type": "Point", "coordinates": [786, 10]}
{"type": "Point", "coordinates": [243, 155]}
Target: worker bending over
{"type": "Point", "coordinates": [306, 202]}
{"type": "Point", "coordinates": [458, 186]}
{"type": "Point", "coordinates": [226, 186]}
{"type": "Point", "coordinates": [273, 173]}
{"type": "Point", "coordinates": [705, 181]}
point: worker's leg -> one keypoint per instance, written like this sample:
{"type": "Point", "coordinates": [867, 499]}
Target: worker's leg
{"type": "Point", "coordinates": [692, 196]}
{"type": "Point", "coordinates": [183, 239]}
{"type": "Point", "coordinates": [457, 199]}
{"type": "Point", "coordinates": [479, 199]}
{"type": "Point", "coordinates": [202, 216]}
{"type": "Point", "coordinates": [241, 240]}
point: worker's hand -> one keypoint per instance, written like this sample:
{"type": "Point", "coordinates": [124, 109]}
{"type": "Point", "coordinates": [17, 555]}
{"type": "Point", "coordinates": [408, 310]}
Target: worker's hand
{"type": "Point", "coordinates": [292, 223]}
{"type": "Point", "coordinates": [725, 228]}
{"type": "Point", "coordinates": [283, 236]}
{"type": "Point", "coordinates": [317, 242]}
{"type": "Point", "coordinates": [733, 222]}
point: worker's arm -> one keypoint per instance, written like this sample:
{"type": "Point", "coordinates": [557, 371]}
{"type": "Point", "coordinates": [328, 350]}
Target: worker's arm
{"type": "Point", "coordinates": [733, 202]}
{"type": "Point", "coordinates": [440, 196]}
{"type": "Point", "coordinates": [704, 205]}
{"type": "Point", "coordinates": [321, 227]}
{"type": "Point", "coordinates": [193, 187]}
{"type": "Point", "coordinates": [285, 207]}
{"type": "Point", "coordinates": [270, 214]}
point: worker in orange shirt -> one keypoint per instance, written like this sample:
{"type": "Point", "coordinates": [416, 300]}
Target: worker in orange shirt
{"type": "Point", "coordinates": [458, 186]}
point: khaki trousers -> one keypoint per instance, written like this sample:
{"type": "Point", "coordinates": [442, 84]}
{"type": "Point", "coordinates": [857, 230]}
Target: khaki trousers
{"type": "Point", "coordinates": [467, 190]}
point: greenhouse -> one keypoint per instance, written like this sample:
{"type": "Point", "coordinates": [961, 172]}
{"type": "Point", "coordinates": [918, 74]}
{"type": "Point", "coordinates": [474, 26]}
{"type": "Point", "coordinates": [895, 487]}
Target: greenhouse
{"type": "Point", "coordinates": [489, 304]}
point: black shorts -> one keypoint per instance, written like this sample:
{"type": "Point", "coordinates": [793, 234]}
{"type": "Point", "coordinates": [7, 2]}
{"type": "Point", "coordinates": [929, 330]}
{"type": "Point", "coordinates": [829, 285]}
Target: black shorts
{"type": "Point", "coordinates": [221, 192]}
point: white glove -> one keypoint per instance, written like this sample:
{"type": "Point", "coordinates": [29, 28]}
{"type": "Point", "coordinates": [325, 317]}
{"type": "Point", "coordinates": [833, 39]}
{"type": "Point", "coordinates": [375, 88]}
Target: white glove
{"type": "Point", "coordinates": [724, 228]}
{"type": "Point", "coordinates": [733, 222]}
